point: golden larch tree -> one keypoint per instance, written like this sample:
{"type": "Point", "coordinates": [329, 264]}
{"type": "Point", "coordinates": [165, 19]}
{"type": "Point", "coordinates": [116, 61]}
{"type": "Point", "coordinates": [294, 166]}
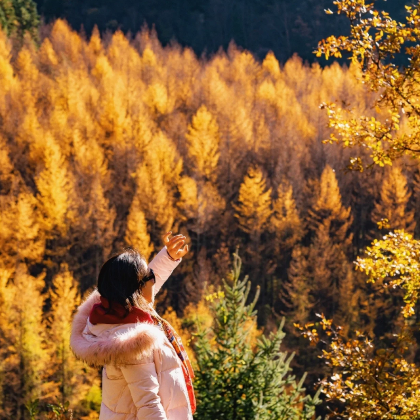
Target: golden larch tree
{"type": "Point", "coordinates": [254, 209]}
{"type": "Point", "coordinates": [47, 56]}
{"type": "Point", "coordinates": [328, 208]}
{"type": "Point", "coordinates": [324, 262]}
{"type": "Point", "coordinates": [203, 143]}
{"type": "Point", "coordinates": [29, 76]}
{"type": "Point", "coordinates": [7, 79]}
{"type": "Point", "coordinates": [24, 356]}
{"type": "Point", "coordinates": [136, 234]}
{"type": "Point", "coordinates": [55, 185]}
{"type": "Point", "coordinates": [157, 176]}
{"type": "Point", "coordinates": [28, 238]}
{"type": "Point", "coordinates": [69, 379]}
{"type": "Point", "coordinates": [200, 204]}
{"type": "Point", "coordinates": [285, 221]}
{"type": "Point", "coordinates": [295, 292]}
{"type": "Point", "coordinates": [7, 176]}
{"type": "Point", "coordinates": [21, 237]}
{"type": "Point", "coordinates": [393, 202]}
{"type": "Point", "coordinates": [329, 224]}
{"type": "Point", "coordinates": [348, 313]}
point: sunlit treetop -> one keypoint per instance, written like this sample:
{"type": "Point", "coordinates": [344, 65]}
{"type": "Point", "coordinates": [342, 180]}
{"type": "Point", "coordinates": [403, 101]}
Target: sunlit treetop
{"type": "Point", "coordinates": [374, 42]}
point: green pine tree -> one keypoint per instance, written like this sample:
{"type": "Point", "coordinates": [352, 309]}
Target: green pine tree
{"type": "Point", "coordinates": [7, 16]}
{"type": "Point", "coordinates": [18, 17]}
{"type": "Point", "coordinates": [238, 380]}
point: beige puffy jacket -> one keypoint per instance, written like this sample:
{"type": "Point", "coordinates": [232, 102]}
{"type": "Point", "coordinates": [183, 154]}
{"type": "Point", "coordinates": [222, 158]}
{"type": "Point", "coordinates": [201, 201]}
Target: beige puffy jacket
{"type": "Point", "coordinates": [142, 376]}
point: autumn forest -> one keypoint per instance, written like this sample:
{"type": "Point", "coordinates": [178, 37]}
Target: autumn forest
{"type": "Point", "coordinates": [111, 141]}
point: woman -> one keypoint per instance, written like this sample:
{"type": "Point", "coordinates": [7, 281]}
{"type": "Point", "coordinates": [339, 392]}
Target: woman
{"type": "Point", "coordinates": [146, 373]}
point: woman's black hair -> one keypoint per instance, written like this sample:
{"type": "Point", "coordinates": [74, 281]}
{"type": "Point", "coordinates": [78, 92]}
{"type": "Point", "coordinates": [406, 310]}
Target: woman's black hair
{"type": "Point", "coordinates": [120, 277]}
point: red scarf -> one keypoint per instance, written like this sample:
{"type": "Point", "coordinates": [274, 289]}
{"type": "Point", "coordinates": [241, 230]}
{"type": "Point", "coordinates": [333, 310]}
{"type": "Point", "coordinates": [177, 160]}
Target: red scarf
{"type": "Point", "coordinates": [104, 313]}
{"type": "Point", "coordinates": [101, 313]}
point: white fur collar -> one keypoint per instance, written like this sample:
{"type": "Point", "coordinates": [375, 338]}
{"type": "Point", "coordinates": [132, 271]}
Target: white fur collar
{"type": "Point", "coordinates": [136, 341]}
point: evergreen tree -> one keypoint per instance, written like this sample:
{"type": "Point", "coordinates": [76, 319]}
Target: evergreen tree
{"type": "Point", "coordinates": [234, 381]}
{"type": "Point", "coordinates": [18, 17]}
{"type": "Point", "coordinates": [7, 15]}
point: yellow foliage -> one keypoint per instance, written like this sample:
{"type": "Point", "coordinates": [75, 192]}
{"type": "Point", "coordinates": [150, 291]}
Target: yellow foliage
{"type": "Point", "coordinates": [267, 91]}
{"type": "Point", "coordinates": [393, 201]}
{"type": "Point", "coordinates": [28, 75]}
{"type": "Point", "coordinates": [89, 155]}
{"type": "Point", "coordinates": [201, 203]}
{"type": "Point", "coordinates": [328, 209]}
{"type": "Point", "coordinates": [95, 46]}
{"type": "Point", "coordinates": [188, 202]}
{"type": "Point", "coordinates": [271, 65]}
{"type": "Point", "coordinates": [157, 177]}
{"type": "Point", "coordinates": [136, 234]}
{"type": "Point", "coordinates": [23, 335]}
{"type": "Point", "coordinates": [6, 69]}
{"type": "Point", "coordinates": [47, 55]}
{"type": "Point", "coordinates": [66, 41]}
{"type": "Point", "coordinates": [157, 98]}
{"type": "Point", "coordinates": [64, 299]}
{"type": "Point", "coordinates": [285, 221]}
{"type": "Point", "coordinates": [69, 378]}
{"type": "Point", "coordinates": [21, 237]}
{"type": "Point", "coordinates": [6, 166]}
{"type": "Point", "coordinates": [149, 58]}
{"type": "Point", "coordinates": [203, 143]}
{"type": "Point", "coordinates": [329, 197]}
{"type": "Point", "coordinates": [55, 185]}
{"type": "Point", "coordinates": [254, 209]}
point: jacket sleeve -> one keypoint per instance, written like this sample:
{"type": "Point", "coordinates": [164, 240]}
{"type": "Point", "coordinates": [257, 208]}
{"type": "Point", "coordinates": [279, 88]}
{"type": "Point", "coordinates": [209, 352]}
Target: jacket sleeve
{"type": "Point", "coordinates": [162, 266]}
{"type": "Point", "coordinates": [143, 383]}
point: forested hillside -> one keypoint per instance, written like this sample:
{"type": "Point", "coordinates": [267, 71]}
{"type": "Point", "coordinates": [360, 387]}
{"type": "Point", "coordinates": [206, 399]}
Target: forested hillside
{"type": "Point", "coordinates": [109, 143]}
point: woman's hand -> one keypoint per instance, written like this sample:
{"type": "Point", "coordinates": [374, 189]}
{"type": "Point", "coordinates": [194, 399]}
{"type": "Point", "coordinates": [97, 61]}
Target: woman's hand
{"type": "Point", "coordinates": [175, 245]}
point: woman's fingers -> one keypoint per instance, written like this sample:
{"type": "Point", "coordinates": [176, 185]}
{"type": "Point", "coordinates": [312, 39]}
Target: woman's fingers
{"type": "Point", "coordinates": [166, 237]}
{"type": "Point", "coordinates": [183, 251]}
{"type": "Point", "coordinates": [175, 239]}
{"type": "Point", "coordinates": [176, 244]}
{"type": "Point", "coordinates": [180, 249]}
